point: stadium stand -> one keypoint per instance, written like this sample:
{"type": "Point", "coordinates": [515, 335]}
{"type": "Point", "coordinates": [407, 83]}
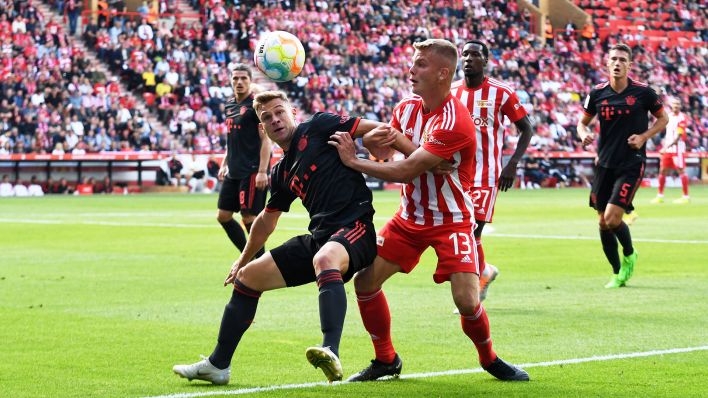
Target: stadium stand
{"type": "Point", "coordinates": [176, 67]}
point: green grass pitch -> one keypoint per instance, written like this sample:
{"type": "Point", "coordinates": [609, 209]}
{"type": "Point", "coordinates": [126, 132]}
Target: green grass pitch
{"type": "Point", "coordinates": [100, 296]}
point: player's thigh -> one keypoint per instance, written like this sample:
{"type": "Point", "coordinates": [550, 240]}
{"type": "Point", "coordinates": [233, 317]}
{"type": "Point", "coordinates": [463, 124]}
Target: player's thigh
{"type": "Point", "coordinates": [400, 243]}
{"type": "Point", "coordinates": [602, 186]}
{"type": "Point", "coordinates": [294, 260]}
{"type": "Point", "coordinates": [261, 274]}
{"type": "Point", "coordinates": [228, 195]}
{"type": "Point", "coordinates": [456, 249]}
{"type": "Point", "coordinates": [370, 279]}
{"type": "Point", "coordinates": [483, 200]}
{"type": "Point", "coordinates": [626, 184]}
{"type": "Point", "coordinates": [251, 199]}
{"type": "Point", "coordinates": [359, 241]}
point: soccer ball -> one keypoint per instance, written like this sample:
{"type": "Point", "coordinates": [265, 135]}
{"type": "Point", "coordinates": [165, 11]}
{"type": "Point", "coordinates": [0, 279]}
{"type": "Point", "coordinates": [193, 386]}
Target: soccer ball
{"type": "Point", "coordinates": [279, 55]}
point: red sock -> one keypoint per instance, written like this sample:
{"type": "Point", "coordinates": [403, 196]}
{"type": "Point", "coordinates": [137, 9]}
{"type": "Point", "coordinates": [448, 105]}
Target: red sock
{"type": "Point", "coordinates": [476, 327]}
{"type": "Point", "coordinates": [662, 182]}
{"type": "Point", "coordinates": [684, 183]}
{"type": "Point", "coordinates": [480, 257]}
{"type": "Point", "coordinates": [373, 308]}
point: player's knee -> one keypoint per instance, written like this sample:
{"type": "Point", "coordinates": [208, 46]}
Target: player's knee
{"type": "Point", "coordinates": [466, 302]}
{"type": "Point", "coordinates": [224, 216]}
{"type": "Point", "coordinates": [612, 221]}
{"type": "Point", "coordinates": [364, 281]}
{"type": "Point", "coordinates": [325, 260]}
{"type": "Point", "coordinates": [602, 223]}
{"type": "Point", "coordinates": [247, 218]}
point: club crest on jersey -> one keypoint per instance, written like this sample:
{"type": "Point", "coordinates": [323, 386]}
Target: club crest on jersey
{"type": "Point", "coordinates": [484, 103]}
{"type": "Point", "coordinates": [379, 240]}
{"type": "Point", "coordinates": [302, 143]}
{"type": "Point", "coordinates": [343, 119]}
{"type": "Point", "coordinates": [243, 110]}
{"type": "Point", "coordinates": [631, 100]}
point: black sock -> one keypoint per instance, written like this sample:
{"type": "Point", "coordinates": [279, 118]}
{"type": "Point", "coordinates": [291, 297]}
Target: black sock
{"type": "Point", "coordinates": [248, 229]}
{"type": "Point", "coordinates": [235, 233]}
{"type": "Point", "coordinates": [609, 246]}
{"type": "Point", "coordinates": [625, 238]}
{"type": "Point", "coordinates": [333, 308]}
{"type": "Point", "coordinates": [238, 316]}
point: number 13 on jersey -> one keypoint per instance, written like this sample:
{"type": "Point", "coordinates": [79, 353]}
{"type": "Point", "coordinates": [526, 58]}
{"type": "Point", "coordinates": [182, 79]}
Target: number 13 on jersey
{"type": "Point", "coordinates": [462, 242]}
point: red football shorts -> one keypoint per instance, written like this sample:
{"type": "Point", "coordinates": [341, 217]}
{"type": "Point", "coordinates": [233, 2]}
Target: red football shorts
{"type": "Point", "coordinates": [402, 243]}
{"type": "Point", "coordinates": [484, 200]}
{"type": "Point", "coordinates": [673, 161]}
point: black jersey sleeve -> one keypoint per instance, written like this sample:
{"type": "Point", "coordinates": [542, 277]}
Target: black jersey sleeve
{"type": "Point", "coordinates": [328, 123]}
{"type": "Point", "coordinates": [280, 195]}
{"type": "Point", "coordinates": [589, 104]}
{"type": "Point", "coordinates": [654, 102]}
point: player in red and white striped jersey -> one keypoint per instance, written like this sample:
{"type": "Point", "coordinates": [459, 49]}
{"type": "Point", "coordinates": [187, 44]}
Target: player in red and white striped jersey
{"type": "Point", "coordinates": [489, 101]}
{"type": "Point", "coordinates": [673, 152]}
{"type": "Point", "coordinates": [435, 211]}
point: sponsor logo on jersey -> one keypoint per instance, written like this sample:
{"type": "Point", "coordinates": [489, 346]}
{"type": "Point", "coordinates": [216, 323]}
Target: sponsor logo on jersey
{"type": "Point", "coordinates": [484, 103]}
{"type": "Point", "coordinates": [409, 131]}
{"type": "Point", "coordinates": [517, 106]}
{"type": "Point", "coordinates": [466, 259]}
{"type": "Point", "coordinates": [343, 119]}
{"type": "Point", "coordinates": [379, 240]}
{"type": "Point", "coordinates": [479, 121]}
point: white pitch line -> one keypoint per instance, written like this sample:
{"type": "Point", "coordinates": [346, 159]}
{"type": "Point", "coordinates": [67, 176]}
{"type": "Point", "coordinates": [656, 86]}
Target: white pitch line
{"type": "Point", "coordinates": [182, 225]}
{"type": "Point", "coordinates": [565, 237]}
{"type": "Point", "coordinates": [599, 358]}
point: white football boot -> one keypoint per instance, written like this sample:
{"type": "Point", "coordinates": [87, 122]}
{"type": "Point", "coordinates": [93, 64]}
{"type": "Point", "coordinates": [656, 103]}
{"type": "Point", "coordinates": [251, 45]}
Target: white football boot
{"type": "Point", "coordinates": [203, 370]}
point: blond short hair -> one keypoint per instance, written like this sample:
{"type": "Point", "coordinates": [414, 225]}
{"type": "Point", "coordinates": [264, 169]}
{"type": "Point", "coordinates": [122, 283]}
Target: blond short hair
{"type": "Point", "coordinates": [265, 97]}
{"type": "Point", "coordinates": [441, 47]}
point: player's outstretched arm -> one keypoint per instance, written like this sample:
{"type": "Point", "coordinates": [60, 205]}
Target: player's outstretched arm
{"type": "Point", "coordinates": [508, 173]}
{"type": "Point", "coordinates": [263, 226]}
{"type": "Point", "coordinates": [636, 141]}
{"type": "Point", "coordinates": [400, 171]}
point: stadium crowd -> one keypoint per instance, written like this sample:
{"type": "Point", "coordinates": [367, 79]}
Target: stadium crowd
{"type": "Point", "coordinates": [358, 54]}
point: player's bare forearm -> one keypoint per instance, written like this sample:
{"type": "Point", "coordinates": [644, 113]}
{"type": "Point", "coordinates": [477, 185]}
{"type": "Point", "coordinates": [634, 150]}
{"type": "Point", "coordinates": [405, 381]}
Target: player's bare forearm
{"type": "Point", "coordinates": [403, 144]}
{"type": "Point", "coordinates": [636, 141]}
{"type": "Point", "coordinates": [263, 226]}
{"type": "Point", "coordinates": [366, 125]}
{"type": "Point", "coordinates": [586, 136]}
{"type": "Point", "coordinates": [660, 124]}
{"type": "Point", "coordinates": [264, 162]}
{"type": "Point", "coordinates": [399, 171]}
{"type": "Point", "coordinates": [526, 129]}
{"type": "Point", "coordinates": [508, 173]}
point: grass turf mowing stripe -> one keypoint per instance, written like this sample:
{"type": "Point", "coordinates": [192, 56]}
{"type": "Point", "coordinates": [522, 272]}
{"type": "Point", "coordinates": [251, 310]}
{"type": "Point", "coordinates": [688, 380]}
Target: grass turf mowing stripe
{"type": "Point", "coordinates": [442, 373]}
{"type": "Point", "coordinates": [178, 225]}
